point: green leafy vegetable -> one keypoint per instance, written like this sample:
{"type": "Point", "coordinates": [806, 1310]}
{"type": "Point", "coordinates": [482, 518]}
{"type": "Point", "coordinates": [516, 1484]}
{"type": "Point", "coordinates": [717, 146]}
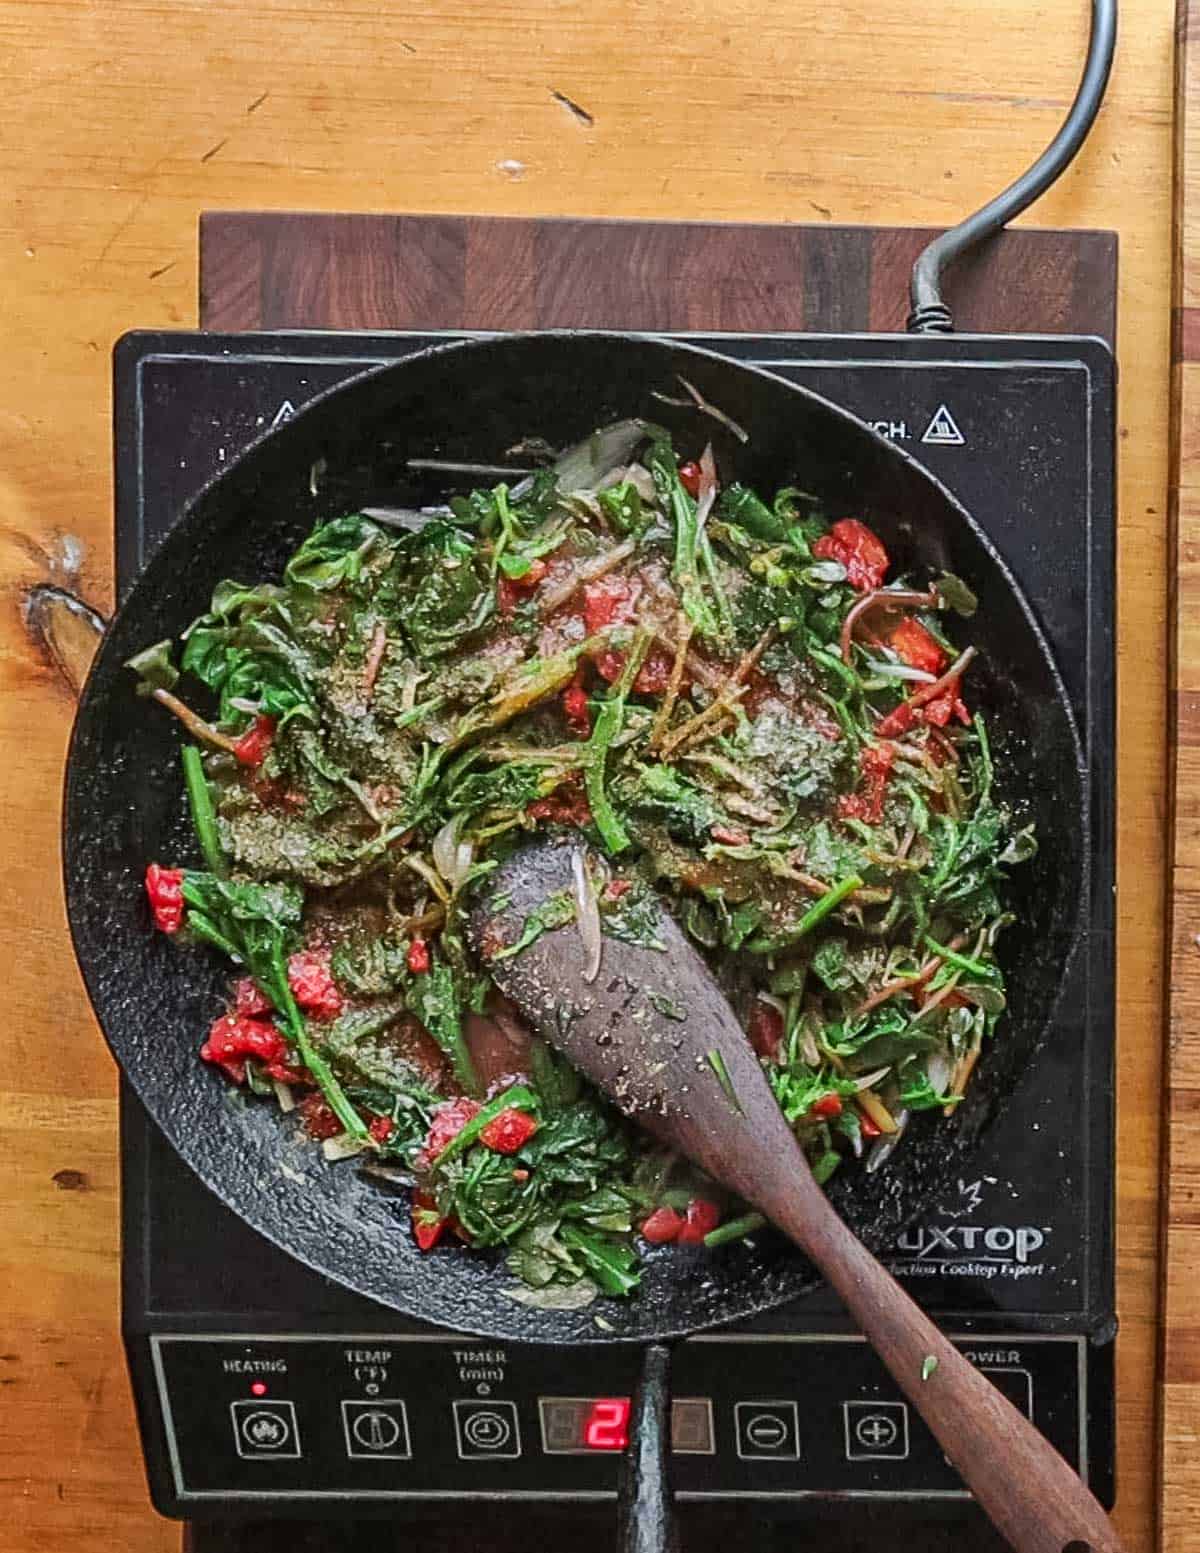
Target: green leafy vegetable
{"type": "Point", "coordinates": [554, 912]}
{"type": "Point", "coordinates": [436, 998]}
{"type": "Point", "coordinates": [697, 685]}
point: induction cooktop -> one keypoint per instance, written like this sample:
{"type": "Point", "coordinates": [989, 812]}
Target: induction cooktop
{"type": "Point", "coordinates": [263, 1389]}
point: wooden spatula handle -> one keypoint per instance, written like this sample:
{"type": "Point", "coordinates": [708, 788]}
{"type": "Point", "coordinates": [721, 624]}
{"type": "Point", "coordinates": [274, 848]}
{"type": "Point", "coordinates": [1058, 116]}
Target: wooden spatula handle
{"type": "Point", "coordinates": [1030, 1493]}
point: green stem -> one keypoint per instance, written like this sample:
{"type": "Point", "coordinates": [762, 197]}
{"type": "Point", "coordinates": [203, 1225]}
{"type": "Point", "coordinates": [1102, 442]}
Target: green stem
{"type": "Point", "coordinates": [825, 1166]}
{"type": "Point", "coordinates": [834, 664]}
{"type": "Point", "coordinates": [518, 1097]}
{"type": "Point", "coordinates": [717, 1063]}
{"type": "Point", "coordinates": [200, 925]}
{"type": "Point", "coordinates": [609, 721]}
{"type": "Point", "coordinates": [614, 1270]}
{"type": "Point", "coordinates": [334, 1095]}
{"type": "Point", "coordinates": [816, 913]}
{"type": "Point", "coordinates": [204, 816]}
{"type": "Point", "coordinates": [709, 562]}
{"type": "Point", "coordinates": [961, 962]}
{"type": "Point", "coordinates": [736, 1229]}
{"type": "Point", "coordinates": [819, 910]}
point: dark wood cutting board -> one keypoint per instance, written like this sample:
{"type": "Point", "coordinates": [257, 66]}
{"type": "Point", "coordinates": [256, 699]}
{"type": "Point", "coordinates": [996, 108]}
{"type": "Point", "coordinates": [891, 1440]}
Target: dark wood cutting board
{"type": "Point", "coordinates": [263, 270]}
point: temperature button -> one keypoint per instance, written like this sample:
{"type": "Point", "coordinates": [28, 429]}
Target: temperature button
{"type": "Point", "coordinates": [265, 1431]}
{"type": "Point", "coordinates": [376, 1430]}
{"type": "Point", "coordinates": [487, 1431]}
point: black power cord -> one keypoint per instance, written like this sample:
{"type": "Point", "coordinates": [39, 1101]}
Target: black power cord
{"type": "Point", "coordinates": [930, 315]}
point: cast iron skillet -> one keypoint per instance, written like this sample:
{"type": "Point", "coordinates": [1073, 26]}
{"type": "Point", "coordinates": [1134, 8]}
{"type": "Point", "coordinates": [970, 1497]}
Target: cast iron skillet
{"type": "Point", "coordinates": [124, 800]}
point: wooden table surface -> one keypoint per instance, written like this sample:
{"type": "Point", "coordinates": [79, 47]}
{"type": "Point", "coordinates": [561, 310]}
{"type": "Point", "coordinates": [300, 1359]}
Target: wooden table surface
{"type": "Point", "coordinates": [121, 119]}
{"type": "Point", "coordinates": [1180, 1422]}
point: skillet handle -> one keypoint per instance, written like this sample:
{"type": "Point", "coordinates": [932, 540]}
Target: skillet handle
{"type": "Point", "coordinates": [645, 1513]}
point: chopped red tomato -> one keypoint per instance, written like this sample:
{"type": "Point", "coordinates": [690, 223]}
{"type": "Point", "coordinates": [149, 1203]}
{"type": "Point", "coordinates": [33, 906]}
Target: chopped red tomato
{"type": "Point", "coordinates": [868, 1127]}
{"type": "Point", "coordinates": [428, 1227]}
{"type": "Point", "coordinates": [381, 1128]}
{"type": "Point", "coordinates": [827, 1107]}
{"type": "Point", "coordinates": [312, 983]}
{"type": "Point", "coordinates": [605, 603]}
{"type": "Point", "coordinates": [249, 1000]}
{"type": "Point", "coordinates": [566, 805]}
{"type": "Point", "coordinates": [251, 749]}
{"type": "Point", "coordinates": [766, 1029]}
{"type": "Point", "coordinates": [689, 478]}
{"type": "Point", "coordinates": [232, 1039]}
{"type": "Point", "coordinates": [899, 721]}
{"type": "Point", "coordinates": [164, 891]}
{"type": "Point", "coordinates": [609, 602]}
{"type": "Point", "coordinates": [418, 958]}
{"type": "Point", "coordinates": [234, 1068]}
{"type": "Point", "coordinates": [509, 1131]}
{"type": "Point", "coordinates": [917, 647]}
{"type": "Point", "coordinates": [654, 675]}
{"type": "Point", "coordinates": [318, 1119]}
{"type": "Point", "coordinates": [511, 590]}
{"type": "Point", "coordinates": [939, 711]}
{"type": "Point", "coordinates": [276, 794]}
{"type": "Point", "coordinates": [650, 680]}
{"type": "Point", "coordinates": [876, 761]}
{"type": "Point", "coordinates": [288, 1073]}
{"type": "Point", "coordinates": [575, 709]}
{"type": "Point", "coordinates": [663, 1226]}
{"type": "Point", "coordinates": [449, 1119]}
{"type": "Point", "coordinates": [615, 888]}
{"type": "Point", "coordinates": [702, 1218]}
{"type": "Point", "coordinates": [858, 549]}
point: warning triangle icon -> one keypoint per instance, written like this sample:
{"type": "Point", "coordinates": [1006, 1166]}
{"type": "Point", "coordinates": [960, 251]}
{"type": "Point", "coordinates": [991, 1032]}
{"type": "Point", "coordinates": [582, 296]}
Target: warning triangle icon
{"type": "Point", "coordinates": [943, 430]}
{"type": "Point", "coordinates": [287, 409]}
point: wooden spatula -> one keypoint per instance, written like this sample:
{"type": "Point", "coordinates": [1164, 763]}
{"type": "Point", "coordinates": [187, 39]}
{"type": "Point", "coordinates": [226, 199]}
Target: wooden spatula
{"type": "Point", "coordinates": [695, 1083]}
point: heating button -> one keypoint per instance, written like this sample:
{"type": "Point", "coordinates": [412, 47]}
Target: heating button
{"type": "Point", "coordinates": [265, 1431]}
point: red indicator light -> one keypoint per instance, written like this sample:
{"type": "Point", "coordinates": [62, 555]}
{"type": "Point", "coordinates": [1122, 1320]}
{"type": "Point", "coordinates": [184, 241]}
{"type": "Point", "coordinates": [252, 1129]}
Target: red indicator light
{"type": "Point", "coordinates": [607, 1425]}
{"type": "Point", "coordinates": [258, 1388]}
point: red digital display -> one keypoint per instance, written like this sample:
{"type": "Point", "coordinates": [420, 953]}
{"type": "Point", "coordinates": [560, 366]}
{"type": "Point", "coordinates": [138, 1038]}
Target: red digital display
{"type": "Point", "coordinates": [606, 1427]}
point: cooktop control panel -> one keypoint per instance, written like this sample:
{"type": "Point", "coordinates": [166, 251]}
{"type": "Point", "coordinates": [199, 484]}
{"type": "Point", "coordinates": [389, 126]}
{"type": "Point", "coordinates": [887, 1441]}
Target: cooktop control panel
{"type": "Point", "coordinates": [387, 1417]}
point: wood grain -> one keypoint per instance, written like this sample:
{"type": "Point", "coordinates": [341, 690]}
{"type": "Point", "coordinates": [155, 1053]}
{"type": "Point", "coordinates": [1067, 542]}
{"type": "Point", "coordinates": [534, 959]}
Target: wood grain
{"type": "Point", "coordinates": [1180, 1415]}
{"type": "Point", "coordinates": [120, 121]}
{"type": "Point", "coordinates": [312, 270]}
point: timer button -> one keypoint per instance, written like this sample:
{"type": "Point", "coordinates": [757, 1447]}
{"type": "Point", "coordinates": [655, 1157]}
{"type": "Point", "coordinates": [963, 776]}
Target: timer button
{"type": "Point", "coordinates": [487, 1431]}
